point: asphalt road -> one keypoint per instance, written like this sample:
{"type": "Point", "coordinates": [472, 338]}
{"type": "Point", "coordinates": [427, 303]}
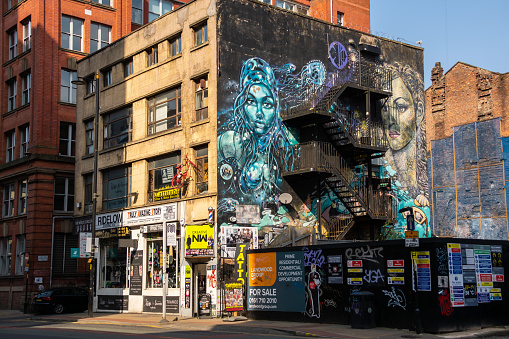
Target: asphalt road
{"type": "Point", "coordinates": [28, 329]}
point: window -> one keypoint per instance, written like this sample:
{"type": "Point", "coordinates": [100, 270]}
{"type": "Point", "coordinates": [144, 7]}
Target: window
{"type": "Point", "coordinates": [10, 143]}
{"type": "Point", "coordinates": [90, 85]}
{"type": "Point", "coordinates": [72, 36]}
{"type": "Point", "coordinates": [202, 99]}
{"type": "Point", "coordinates": [68, 90]}
{"type": "Point", "coordinates": [25, 88]}
{"type": "Point", "coordinates": [118, 127]}
{"type": "Point", "coordinates": [62, 261]}
{"type": "Point", "coordinates": [340, 19]}
{"type": "Point", "coordinates": [19, 267]}
{"type": "Point", "coordinates": [23, 194]}
{"type": "Point", "coordinates": [88, 179]}
{"type": "Point", "coordinates": [113, 265]}
{"type": "Point", "coordinates": [175, 46]}
{"type": "Point", "coordinates": [152, 56]}
{"type": "Point", "coordinates": [116, 188]}
{"type": "Point", "coordinates": [267, 1]}
{"type": "Point", "coordinates": [8, 209]}
{"type": "Point", "coordinates": [128, 68]}
{"type": "Point", "coordinates": [89, 135]}
{"type": "Point", "coordinates": [285, 5]}
{"type": "Point", "coordinates": [202, 176]}
{"type": "Point", "coordinates": [200, 34]}
{"type": "Point", "coordinates": [107, 77]}
{"type": "Point", "coordinates": [24, 133]}
{"type": "Point", "coordinates": [63, 200]}
{"type": "Point", "coordinates": [67, 139]}
{"type": "Point", "coordinates": [11, 3]}
{"type": "Point", "coordinates": [164, 111]}
{"type": "Point", "coordinates": [155, 266]}
{"type": "Point", "coordinates": [13, 43]}
{"type": "Point", "coordinates": [99, 36]}
{"type": "Point", "coordinates": [11, 94]}
{"type": "Point", "coordinates": [27, 35]}
{"type": "Point", "coordinates": [137, 11]}
{"type": "Point", "coordinates": [156, 8]}
{"type": "Point", "coordinates": [160, 176]}
{"type": "Point", "coordinates": [5, 255]}
{"type": "Point", "coordinates": [104, 2]}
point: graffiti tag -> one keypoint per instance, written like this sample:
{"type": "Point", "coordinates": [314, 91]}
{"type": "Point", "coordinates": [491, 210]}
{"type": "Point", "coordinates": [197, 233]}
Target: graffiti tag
{"type": "Point", "coordinates": [396, 298]}
{"type": "Point", "coordinates": [442, 260]}
{"type": "Point", "coordinates": [372, 276]}
{"type": "Point", "coordinates": [370, 254]}
{"type": "Point", "coordinates": [330, 302]}
{"type": "Point", "coordinates": [445, 302]}
{"type": "Point", "coordinates": [212, 279]}
{"type": "Point", "coordinates": [313, 257]}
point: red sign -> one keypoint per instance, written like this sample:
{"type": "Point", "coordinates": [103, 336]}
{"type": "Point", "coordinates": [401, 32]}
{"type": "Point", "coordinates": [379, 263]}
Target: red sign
{"type": "Point", "coordinates": [485, 277]}
{"type": "Point", "coordinates": [455, 250]}
{"type": "Point", "coordinates": [498, 277]}
{"type": "Point", "coordinates": [354, 263]}
{"type": "Point", "coordinates": [422, 265]}
{"type": "Point", "coordinates": [396, 263]}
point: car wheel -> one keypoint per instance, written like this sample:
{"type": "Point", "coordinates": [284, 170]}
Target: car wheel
{"type": "Point", "coordinates": [58, 308]}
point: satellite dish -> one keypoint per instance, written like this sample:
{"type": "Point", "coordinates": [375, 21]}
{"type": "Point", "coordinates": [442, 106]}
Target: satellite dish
{"type": "Point", "coordinates": [285, 198]}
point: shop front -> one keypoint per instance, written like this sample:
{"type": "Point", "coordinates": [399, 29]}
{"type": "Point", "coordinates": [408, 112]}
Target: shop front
{"type": "Point", "coordinates": [134, 259]}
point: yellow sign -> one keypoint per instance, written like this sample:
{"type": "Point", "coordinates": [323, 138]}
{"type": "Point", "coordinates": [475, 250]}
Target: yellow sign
{"type": "Point", "coordinates": [415, 255]}
{"type": "Point", "coordinates": [411, 234]}
{"type": "Point", "coordinates": [355, 270]}
{"type": "Point", "coordinates": [453, 246]}
{"type": "Point", "coordinates": [188, 272]}
{"type": "Point", "coordinates": [395, 270]}
{"type": "Point", "coordinates": [199, 237]}
{"type": "Point", "coordinates": [172, 193]}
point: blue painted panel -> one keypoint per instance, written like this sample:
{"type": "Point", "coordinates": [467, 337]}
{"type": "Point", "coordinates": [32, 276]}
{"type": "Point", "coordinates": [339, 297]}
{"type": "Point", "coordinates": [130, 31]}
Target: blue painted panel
{"type": "Point", "coordinates": [443, 162]}
{"type": "Point", "coordinates": [469, 205]}
{"type": "Point", "coordinates": [469, 228]}
{"type": "Point", "coordinates": [444, 207]}
{"type": "Point", "coordinates": [492, 191]}
{"type": "Point", "coordinates": [494, 229]}
{"type": "Point", "coordinates": [488, 142]}
{"type": "Point", "coordinates": [465, 146]}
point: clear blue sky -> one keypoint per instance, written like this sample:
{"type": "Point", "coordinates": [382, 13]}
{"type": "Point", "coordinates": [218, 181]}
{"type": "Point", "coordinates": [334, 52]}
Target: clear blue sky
{"type": "Point", "coordinates": [474, 32]}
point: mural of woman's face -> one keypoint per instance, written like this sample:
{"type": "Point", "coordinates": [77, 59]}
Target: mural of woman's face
{"type": "Point", "coordinates": [260, 109]}
{"type": "Point", "coordinates": [400, 120]}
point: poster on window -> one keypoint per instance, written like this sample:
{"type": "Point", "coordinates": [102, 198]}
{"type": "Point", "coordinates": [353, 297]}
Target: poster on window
{"type": "Point", "coordinates": [233, 296]}
{"type": "Point", "coordinates": [200, 240]}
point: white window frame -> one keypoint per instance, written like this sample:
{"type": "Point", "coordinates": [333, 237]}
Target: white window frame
{"type": "Point", "coordinates": [23, 196]}
{"type": "Point", "coordinates": [160, 10]}
{"type": "Point", "coordinates": [13, 43]}
{"type": "Point", "coordinates": [72, 34]}
{"type": "Point", "coordinates": [103, 36]}
{"type": "Point", "coordinates": [10, 143]}
{"type": "Point", "coordinates": [135, 9]}
{"type": "Point", "coordinates": [9, 195]}
{"type": "Point", "coordinates": [340, 17]}
{"type": "Point", "coordinates": [103, 2]}
{"type": "Point", "coordinates": [68, 182]}
{"type": "Point", "coordinates": [19, 267]}
{"type": "Point", "coordinates": [25, 88]}
{"type": "Point", "coordinates": [12, 89]}
{"type": "Point", "coordinates": [68, 87]}
{"type": "Point", "coordinates": [27, 35]}
{"type": "Point", "coordinates": [70, 140]}
{"type": "Point", "coordinates": [24, 133]}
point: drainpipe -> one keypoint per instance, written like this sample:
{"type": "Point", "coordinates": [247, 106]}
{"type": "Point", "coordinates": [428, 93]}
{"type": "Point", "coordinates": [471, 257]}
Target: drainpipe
{"type": "Point", "coordinates": [331, 16]}
{"type": "Point", "coordinates": [52, 245]}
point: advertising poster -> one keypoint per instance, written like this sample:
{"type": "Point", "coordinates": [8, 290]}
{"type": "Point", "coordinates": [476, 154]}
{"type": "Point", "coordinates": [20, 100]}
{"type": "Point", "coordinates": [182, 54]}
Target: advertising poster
{"type": "Point", "coordinates": [233, 295]}
{"type": "Point", "coordinates": [456, 275]}
{"type": "Point", "coordinates": [240, 264]}
{"type": "Point", "coordinates": [276, 282]}
{"type": "Point", "coordinates": [248, 214]}
{"type": "Point", "coordinates": [200, 240]}
{"type": "Point", "coordinates": [136, 273]}
{"type": "Point", "coordinates": [233, 235]}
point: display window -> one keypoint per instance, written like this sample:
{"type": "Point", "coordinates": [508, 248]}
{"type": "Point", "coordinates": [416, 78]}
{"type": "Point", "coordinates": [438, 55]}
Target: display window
{"type": "Point", "coordinates": [113, 266]}
{"type": "Point", "coordinates": [155, 265]}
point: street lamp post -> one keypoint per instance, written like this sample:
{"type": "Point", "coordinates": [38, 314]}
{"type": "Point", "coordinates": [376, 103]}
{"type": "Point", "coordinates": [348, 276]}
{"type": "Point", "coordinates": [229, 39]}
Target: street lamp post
{"type": "Point", "coordinates": [94, 192]}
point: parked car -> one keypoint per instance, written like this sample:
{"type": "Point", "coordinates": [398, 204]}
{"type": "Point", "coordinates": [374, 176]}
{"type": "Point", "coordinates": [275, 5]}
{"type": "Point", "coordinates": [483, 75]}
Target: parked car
{"type": "Point", "coordinates": [61, 299]}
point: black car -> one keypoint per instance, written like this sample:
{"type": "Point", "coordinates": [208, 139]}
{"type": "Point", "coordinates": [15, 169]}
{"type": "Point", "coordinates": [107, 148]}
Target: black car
{"type": "Point", "coordinates": [61, 299]}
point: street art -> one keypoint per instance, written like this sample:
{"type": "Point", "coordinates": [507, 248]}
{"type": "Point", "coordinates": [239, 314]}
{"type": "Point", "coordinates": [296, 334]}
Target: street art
{"type": "Point", "coordinates": [442, 265]}
{"type": "Point", "coordinates": [396, 298]}
{"type": "Point", "coordinates": [361, 253]}
{"type": "Point", "coordinates": [405, 161]}
{"type": "Point", "coordinates": [313, 293]}
{"type": "Point", "coordinates": [313, 257]}
{"type": "Point", "coordinates": [373, 276]}
{"type": "Point", "coordinates": [446, 308]}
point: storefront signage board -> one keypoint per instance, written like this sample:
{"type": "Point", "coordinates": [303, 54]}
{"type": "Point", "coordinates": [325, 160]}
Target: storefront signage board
{"type": "Point", "coordinates": [136, 217]}
{"type": "Point", "coordinates": [200, 240]}
{"type": "Point", "coordinates": [276, 282]}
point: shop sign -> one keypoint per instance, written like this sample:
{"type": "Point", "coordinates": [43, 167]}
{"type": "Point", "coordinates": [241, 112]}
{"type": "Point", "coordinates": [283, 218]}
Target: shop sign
{"type": "Point", "coordinates": [150, 215]}
{"type": "Point", "coordinates": [200, 240]}
{"type": "Point", "coordinates": [136, 273]}
{"type": "Point", "coordinates": [276, 282]}
{"type": "Point", "coordinates": [82, 225]}
{"type": "Point", "coordinates": [170, 193]}
{"type": "Point", "coordinates": [109, 220]}
{"type": "Point", "coordinates": [171, 235]}
{"type": "Point", "coordinates": [113, 233]}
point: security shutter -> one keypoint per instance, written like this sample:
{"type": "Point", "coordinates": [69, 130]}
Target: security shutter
{"type": "Point", "coordinates": [62, 261]}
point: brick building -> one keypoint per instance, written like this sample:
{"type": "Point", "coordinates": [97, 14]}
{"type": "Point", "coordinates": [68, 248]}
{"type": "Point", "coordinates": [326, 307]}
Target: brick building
{"type": "Point", "coordinates": [189, 149]}
{"type": "Point", "coordinates": [467, 131]}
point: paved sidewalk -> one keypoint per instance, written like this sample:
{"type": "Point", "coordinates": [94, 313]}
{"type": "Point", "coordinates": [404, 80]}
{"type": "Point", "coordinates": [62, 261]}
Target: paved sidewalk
{"type": "Point", "coordinates": [240, 324]}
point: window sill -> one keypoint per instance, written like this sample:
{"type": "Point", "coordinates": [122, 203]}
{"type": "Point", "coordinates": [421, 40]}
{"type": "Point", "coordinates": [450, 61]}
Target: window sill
{"type": "Point", "coordinates": [19, 56]}
{"type": "Point", "coordinates": [109, 149]}
{"type": "Point", "coordinates": [206, 43]}
{"type": "Point", "coordinates": [174, 57]}
{"type": "Point", "coordinates": [15, 110]}
{"type": "Point", "coordinates": [199, 122]}
{"type": "Point", "coordinates": [72, 51]}
{"type": "Point", "coordinates": [66, 103]}
{"type": "Point", "coordinates": [13, 217]}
